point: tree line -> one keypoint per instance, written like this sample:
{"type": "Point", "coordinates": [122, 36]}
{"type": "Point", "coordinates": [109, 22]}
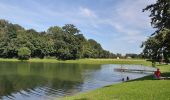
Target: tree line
{"type": "Point", "coordinates": [157, 46]}
{"type": "Point", "coordinates": [63, 43]}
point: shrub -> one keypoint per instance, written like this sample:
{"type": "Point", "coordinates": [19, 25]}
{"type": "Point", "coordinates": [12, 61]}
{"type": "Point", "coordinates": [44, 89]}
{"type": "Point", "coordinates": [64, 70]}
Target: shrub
{"type": "Point", "coordinates": [24, 53]}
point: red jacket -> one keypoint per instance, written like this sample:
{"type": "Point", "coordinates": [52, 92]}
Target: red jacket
{"type": "Point", "coordinates": [157, 73]}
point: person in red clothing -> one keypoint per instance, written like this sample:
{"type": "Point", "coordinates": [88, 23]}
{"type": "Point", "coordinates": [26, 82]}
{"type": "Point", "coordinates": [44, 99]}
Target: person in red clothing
{"type": "Point", "coordinates": [157, 74]}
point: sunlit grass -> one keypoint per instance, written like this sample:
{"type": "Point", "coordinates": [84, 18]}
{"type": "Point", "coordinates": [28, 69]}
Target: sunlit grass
{"type": "Point", "coordinates": [88, 61]}
{"type": "Point", "coordinates": [136, 90]}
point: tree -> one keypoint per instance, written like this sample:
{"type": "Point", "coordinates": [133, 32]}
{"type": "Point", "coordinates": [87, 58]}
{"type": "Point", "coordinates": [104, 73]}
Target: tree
{"type": "Point", "coordinates": [8, 39]}
{"type": "Point", "coordinates": [24, 53]}
{"type": "Point", "coordinates": [158, 45]}
{"type": "Point", "coordinates": [160, 14]}
{"type": "Point", "coordinates": [67, 41]}
{"type": "Point", "coordinates": [62, 42]}
{"type": "Point", "coordinates": [70, 29]}
{"type": "Point", "coordinates": [132, 55]}
{"type": "Point", "coordinates": [64, 54]}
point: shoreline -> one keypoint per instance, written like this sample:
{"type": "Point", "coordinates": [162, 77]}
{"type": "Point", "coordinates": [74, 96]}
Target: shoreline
{"type": "Point", "coordinates": [144, 88]}
{"type": "Point", "coordinates": [85, 92]}
{"type": "Point", "coordinates": [85, 61]}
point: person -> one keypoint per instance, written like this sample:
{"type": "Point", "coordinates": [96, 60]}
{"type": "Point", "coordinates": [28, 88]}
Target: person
{"type": "Point", "coordinates": [123, 79]}
{"type": "Point", "coordinates": [157, 74]}
{"type": "Point", "coordinates": [127, 78]}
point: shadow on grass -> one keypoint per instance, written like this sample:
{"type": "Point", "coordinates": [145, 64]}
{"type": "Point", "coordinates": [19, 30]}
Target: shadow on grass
{"type": "Point", "coordinates": [82, 99]}
{"type": "Point", "coordinates": [151, 77]}
{"type": "Point", "coordinates": [162, 64]}
{"type": "Point", "coordinates": [107, 86]}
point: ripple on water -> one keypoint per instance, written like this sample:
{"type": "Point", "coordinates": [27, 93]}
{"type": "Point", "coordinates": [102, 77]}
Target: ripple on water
{"type": "Point", "coordinates": [72, 81]}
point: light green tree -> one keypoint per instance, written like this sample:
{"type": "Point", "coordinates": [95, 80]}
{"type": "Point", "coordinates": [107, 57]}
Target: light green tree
{"type": "Point", "coordinates": [24, 53]}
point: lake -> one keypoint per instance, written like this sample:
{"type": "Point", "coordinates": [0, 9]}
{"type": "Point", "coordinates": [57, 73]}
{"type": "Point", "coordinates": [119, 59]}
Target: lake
{"type": "Point", "coordinates": [46, 81]}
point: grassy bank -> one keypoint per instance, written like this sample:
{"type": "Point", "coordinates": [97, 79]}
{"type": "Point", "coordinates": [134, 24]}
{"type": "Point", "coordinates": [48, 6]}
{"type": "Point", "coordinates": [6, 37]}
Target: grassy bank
{"type": "Point", "coordinates": [87, 61]}
{"type": "Point", "coordinates": [145, 88]}
{"type": "Point", "coordinates": [136, 90]}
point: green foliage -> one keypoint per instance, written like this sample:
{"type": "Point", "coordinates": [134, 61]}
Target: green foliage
{"type": "Point", "coordinates": [70, 29]}
{"type": "Point", "coordinates": [160, 14]}
{"type": "Point", "coordinates": [24, 53]}
{"type": "Point", "coordinates": [157, 47]}
{"type": "Point", "coordinates": [132, 55]}
{"type": "Point", "coordinates": [64, 43]}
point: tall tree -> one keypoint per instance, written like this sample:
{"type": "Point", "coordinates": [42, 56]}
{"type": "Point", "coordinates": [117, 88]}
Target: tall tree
{"type": "Point", "coordinates": [70, 29]}
{"type": "Point", "coordinates": [159, 43]}
{"type": "Point", "coordinates": [160, 14]}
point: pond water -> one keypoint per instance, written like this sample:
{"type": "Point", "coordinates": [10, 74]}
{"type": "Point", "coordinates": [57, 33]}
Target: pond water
{"type": "Point", "coordinates": [46, 81]}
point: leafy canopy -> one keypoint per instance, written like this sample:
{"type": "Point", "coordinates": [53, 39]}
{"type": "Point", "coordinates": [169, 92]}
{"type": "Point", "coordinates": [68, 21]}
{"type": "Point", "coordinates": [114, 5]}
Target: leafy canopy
{"type": "Point", "coordinates": [157, 47]}
{"type": "Point", "coordinates": [24, 53]}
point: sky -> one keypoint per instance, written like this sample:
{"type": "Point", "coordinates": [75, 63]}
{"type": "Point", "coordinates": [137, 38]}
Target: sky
{"type": "Point", "coordinates": [119, 26]}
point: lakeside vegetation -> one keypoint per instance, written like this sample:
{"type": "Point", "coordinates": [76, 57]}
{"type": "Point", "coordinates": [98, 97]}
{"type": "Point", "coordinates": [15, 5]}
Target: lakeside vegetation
{"type": "Point", "coordinates": [64, 43]}
{"type": "Point", "coordinates": [86, 61]}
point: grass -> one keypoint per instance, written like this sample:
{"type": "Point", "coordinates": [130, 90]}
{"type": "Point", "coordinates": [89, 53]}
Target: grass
{"type": "Point", "coordinates": [145, 88]}
{"type": "Point", "coordinates": [135, 90]}
{"type": "Point", "coordinates": [86, 61]}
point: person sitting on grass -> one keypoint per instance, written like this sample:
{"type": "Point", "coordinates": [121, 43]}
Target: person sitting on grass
{"type": "Point", "coordinates": [157, 74]}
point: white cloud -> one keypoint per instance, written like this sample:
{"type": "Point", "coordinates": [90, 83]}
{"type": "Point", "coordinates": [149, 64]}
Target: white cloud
{"type": "Point", "coordinates": [129, 20]}
{"type": "Point", "coordinates": [87, 12]}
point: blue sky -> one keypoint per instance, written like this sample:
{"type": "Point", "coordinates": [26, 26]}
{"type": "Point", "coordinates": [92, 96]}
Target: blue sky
{"type": "Point", "coordinates": [119, 26]}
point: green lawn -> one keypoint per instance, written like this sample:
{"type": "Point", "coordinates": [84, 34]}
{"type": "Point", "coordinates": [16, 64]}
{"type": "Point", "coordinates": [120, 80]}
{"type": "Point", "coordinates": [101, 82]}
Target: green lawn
{"type": "Point", "coordinates": [135, 90]}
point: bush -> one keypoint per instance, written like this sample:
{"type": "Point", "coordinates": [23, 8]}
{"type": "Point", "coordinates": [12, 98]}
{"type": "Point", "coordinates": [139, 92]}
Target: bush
{"type": "Point", "coordinates": [24, 53]}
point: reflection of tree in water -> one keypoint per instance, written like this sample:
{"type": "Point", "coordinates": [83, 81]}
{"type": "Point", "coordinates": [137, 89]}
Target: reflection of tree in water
{"type": "Point", "coordinates": [17, 77]}
{"type": "Point", "coordinates": [62, 87]}
{"type": "Point", "coordinates": [14, 83]}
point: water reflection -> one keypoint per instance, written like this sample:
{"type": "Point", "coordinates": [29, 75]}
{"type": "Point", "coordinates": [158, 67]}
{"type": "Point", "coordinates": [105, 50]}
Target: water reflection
{"type": "Point", "coordinates": [41, 81]}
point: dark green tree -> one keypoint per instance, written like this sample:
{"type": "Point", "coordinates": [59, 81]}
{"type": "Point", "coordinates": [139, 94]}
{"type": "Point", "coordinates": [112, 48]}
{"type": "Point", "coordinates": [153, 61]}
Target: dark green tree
{"type": "Point", "coordinates": [62, 42]}
{"type": "Point", "coordinates": [70, 29]}
{"type": "Point", "coordinates": [158, 45]}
